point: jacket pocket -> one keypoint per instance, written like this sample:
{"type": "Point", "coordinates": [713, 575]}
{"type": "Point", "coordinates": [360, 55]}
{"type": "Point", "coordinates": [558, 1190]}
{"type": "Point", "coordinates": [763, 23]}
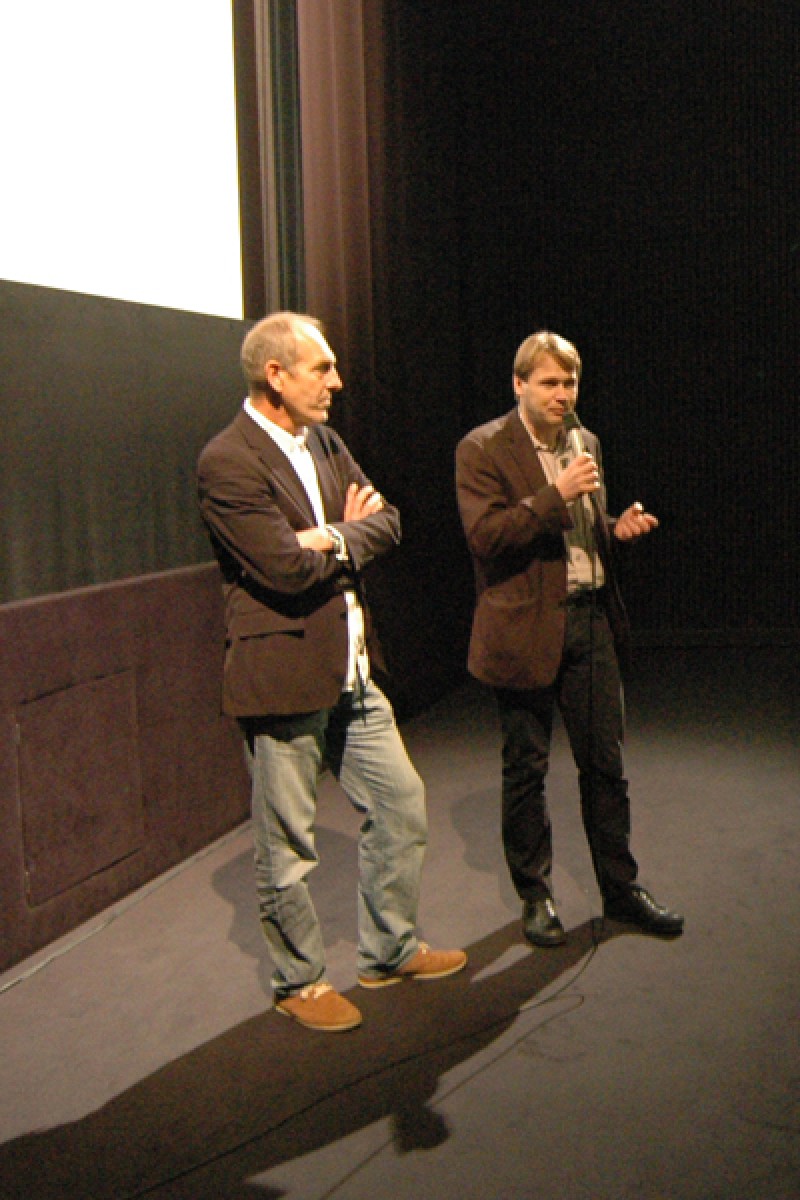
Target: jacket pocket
{"type": "Point", "coordinates": [261, 622]}
{"type": "Point", "coordinates": [515, 644]}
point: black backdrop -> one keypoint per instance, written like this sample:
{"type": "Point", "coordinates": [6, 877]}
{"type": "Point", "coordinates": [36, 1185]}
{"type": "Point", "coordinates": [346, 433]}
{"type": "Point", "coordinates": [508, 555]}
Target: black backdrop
{"type": "Point", "coordinates": [631, 179]}
{"type": "Point", "coordinates": [626, 174]}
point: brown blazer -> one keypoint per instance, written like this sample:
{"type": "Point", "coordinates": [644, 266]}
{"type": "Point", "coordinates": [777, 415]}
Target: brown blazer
{"type": "Point", "coordinates": [514, 523]}
{"type": "Point", "coordinates": [286, 624]}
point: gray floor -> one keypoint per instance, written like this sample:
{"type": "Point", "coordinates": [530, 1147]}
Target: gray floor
{"type": "Point", "coordinates": [141, 1058]}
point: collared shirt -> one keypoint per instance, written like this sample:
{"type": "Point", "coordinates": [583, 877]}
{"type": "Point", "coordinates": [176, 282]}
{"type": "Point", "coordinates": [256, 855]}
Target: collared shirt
{"type": "Point", "coordinates": [584, 568]}
{"type": "Point", "coordinates": [295, 447]}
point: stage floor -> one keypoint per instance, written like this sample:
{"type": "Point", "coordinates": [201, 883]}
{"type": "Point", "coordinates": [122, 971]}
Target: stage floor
{"type": "Point", "coordinates": [141, 1056]}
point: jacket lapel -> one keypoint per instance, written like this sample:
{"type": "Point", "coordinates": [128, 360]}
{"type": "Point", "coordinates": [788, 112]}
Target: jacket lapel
{"type": "Point", "coordinates": [280, 470]}
{"type": "Point", "coordinates": [522, 452]}
{"type": "Point", "coordinates": [329, 483]}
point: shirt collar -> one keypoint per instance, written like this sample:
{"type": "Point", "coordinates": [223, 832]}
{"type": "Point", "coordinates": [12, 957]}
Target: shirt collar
{"type": "Point", "coordinates": [558, 447]}
{"type": "Point", "coordinates": [288, 442]}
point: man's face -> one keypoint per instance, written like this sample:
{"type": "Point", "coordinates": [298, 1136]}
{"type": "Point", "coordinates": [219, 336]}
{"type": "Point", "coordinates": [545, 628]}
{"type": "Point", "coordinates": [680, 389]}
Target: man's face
{"type": "Point", "coordinates": [544, 397]}
{"type": "Point", "coordinates": [305, 388]}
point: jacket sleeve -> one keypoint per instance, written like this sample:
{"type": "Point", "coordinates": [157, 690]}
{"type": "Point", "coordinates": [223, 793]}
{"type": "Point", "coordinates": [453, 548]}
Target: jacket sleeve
{"type": "Point", "coordinates": [496, 521]}
{"type": "Point", "coordinates": [254, 522]}
{"type": "Point", "coordinates": [372, 536]}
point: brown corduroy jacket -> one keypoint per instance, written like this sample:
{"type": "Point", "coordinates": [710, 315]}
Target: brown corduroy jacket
{"type": "Point", "coordinates": [514, 523]}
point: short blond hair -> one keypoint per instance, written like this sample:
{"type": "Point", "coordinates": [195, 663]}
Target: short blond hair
{"type": "Point", "coordinates": [544, 342]}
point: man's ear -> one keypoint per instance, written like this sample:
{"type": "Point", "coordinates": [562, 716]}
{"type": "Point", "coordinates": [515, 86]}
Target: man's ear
{"type": "Point", "coordinates": [273, 374]}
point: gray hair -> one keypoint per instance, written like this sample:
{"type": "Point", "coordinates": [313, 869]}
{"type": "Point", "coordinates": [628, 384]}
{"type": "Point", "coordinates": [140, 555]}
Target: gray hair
{"type": "Point", "coordinates": [273, 337]}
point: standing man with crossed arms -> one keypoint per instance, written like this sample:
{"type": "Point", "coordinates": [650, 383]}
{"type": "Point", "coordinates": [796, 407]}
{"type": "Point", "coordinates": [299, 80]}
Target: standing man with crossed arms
{"type": "Point", "coordinates": [548, 629]}
{"type": "Point", "coordinates": [293, 522]}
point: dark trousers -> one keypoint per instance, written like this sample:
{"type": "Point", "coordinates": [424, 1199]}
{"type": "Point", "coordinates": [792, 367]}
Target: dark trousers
{"type": "Point", "coordinates": [588, 693]}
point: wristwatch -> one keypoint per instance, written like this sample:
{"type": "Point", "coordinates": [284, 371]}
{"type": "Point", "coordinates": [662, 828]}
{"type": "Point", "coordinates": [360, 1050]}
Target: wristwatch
{"type": "Point", "coordinates": [339, 544]}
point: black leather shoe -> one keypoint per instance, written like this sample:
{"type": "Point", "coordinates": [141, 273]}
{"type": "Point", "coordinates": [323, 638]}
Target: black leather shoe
{"type": "Point", "coordinates": [637, 907]}
{"type": "Point", "coordinates": [541, 924]}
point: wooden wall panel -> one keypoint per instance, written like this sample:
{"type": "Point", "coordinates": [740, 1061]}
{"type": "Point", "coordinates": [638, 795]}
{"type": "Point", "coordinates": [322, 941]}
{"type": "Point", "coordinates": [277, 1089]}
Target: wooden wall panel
{"type": "Point", "coordinates": [115, 761]}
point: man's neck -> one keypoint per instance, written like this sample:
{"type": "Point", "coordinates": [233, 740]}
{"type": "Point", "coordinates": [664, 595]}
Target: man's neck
{"type": "Point", "coordinates": [548, 436]}
{"type": "Point", "coordinates": [265, 406]}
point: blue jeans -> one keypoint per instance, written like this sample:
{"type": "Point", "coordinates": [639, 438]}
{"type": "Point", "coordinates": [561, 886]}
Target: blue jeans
{"type": "Point", "coordinates": [361, 744]}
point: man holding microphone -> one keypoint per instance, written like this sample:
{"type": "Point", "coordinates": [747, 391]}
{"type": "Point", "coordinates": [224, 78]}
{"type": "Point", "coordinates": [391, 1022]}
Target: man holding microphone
{"type": "Point", "coordinates": [549, 629]}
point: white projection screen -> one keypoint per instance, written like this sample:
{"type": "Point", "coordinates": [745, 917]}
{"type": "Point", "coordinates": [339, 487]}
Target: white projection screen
{"type": "Point", "coordinates": [118, 151]}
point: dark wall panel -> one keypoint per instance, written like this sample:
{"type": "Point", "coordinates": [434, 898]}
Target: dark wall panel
{"type": "Point", "coordinates": [78, 783]}
{"type": "Point", "coordinates": [115, 762]}
{"type": "Point", "coordinates": [104, 406]}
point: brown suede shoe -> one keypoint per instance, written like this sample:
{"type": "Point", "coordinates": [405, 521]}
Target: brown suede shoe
{"type": "Point", "coordinates": [425, 964]}
{"type": "Point", "coordinates": [318, 1006]}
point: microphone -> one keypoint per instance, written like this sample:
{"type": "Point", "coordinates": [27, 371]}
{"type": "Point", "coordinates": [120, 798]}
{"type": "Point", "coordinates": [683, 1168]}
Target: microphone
{"type": "Point", "coordinates": [573, 429]}
{"type": "Point", "coordinates": [577, 445]}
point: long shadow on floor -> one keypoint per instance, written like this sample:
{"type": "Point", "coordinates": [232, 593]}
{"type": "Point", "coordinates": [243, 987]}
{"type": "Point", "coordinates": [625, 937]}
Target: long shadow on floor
{"type": "Point", "coordinates": [268, 1091]}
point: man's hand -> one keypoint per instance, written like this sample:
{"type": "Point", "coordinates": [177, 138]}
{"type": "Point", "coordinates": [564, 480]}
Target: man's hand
{"type": "Point", "coordinates": [579, 478]}
{"type": "Point", "coordinates": [633, 523]}
{"type": "Point", "coordinates": [317, 538]}
{"type": "Point", "coordinates": [361, 502]}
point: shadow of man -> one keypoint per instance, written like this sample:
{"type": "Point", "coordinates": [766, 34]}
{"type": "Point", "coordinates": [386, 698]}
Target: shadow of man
{"type": "Point", "coordinates": [268, 1091]}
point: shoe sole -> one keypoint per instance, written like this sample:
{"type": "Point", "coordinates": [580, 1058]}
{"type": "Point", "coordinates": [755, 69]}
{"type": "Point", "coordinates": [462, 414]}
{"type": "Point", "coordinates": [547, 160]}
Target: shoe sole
{"type": "Point", "coordinates": [354, 1024]}
{"type": "Point", "coordinates": [546, 944]}
{"type": "Point", "coordinates": [660, 931]}
{"type": "Point", "coordinates": [420, 977]}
